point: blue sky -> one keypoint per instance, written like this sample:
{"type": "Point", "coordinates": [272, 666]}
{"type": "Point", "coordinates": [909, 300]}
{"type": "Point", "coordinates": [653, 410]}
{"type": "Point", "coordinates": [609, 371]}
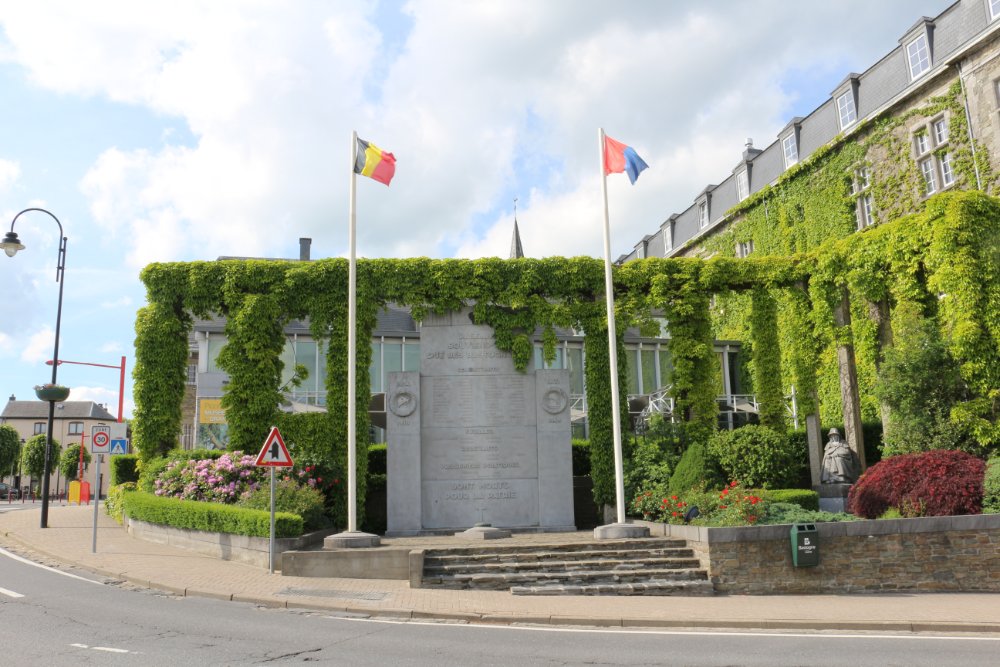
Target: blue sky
{"type": "Point", "coordinates": [187, 130]}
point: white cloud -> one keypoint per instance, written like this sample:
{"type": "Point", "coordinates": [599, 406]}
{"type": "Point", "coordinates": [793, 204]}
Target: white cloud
{"type": "Point", "coordinates": [10, 171]}
{"type": "Point", "coordinates": [39, 346]}
{"type": "Point", "coordinates": [6, 345]}
{"type": "Point", "coordinates": [103, 396]}
{"type": "Point", "coordinates": [483, 99]}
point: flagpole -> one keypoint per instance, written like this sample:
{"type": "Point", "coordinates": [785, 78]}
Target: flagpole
{"type": "Point", "coordinates": [352, 354]}
{"type": "Point", "coordinates": [616, 417]}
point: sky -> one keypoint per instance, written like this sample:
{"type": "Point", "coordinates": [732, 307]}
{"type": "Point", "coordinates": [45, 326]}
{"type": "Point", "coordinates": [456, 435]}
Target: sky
{"type": "Point", "coordinates": [189, 130]}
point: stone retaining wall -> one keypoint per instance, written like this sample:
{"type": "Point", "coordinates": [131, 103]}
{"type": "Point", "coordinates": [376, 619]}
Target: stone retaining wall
{"type": "Point", "coordinates": [955, 553]}
{"type": "Point", "coordinates": [225, 546]}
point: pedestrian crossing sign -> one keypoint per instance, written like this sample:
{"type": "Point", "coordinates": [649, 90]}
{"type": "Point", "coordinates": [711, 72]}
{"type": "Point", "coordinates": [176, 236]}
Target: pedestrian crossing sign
{"type": "Point", "coordinates": [119, 446]}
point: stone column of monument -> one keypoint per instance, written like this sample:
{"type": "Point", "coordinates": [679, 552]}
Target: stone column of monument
{"type": "Point", "coordinates": [403, 454]}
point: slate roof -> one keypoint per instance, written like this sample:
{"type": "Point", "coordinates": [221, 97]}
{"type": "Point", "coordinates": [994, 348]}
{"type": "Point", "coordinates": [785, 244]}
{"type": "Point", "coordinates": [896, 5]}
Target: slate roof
{"type": "Point", "coordinates": [66, 410]}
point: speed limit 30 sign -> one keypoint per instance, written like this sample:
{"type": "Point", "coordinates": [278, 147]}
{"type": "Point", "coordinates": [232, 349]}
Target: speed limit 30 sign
{"type": "Point", "coordinates": [100, 439]}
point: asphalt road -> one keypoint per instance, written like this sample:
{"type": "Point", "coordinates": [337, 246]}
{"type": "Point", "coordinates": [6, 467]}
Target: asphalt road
{"type": "Point", "coordinates": [58, 616]}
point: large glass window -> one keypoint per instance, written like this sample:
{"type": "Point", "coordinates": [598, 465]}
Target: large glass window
{"type": "Point", "coordinates": [215, 345]}
{"type": "Point", "coordinates": [375, 369]}
{"type": "Point", "coordinates": [666, 367]}
{"type": "Point", "coordinates": [574, 362]}
{"type": "Point", "coordinates": [632, 356]}
{"type": "Point", "coordinates": [648, 358]}
{"type": "Point", "coordinates": [305, 354]}
{"type": "Point", "coordinates": [392, 360]}
{"type": "Point", "coordinates": [411, 357]}
{"type": "Point", "coordinates": [288, 362]}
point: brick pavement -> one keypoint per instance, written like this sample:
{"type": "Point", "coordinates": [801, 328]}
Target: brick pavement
{"type": "Point", "coordinates": [121, 557]}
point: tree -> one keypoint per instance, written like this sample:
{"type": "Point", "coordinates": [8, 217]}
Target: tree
{"type": "Point", "coordinates": [920, 382]}
{"type": "Point", "coordinates": [69, 462]}
{"type": "Point", "coordinates": [10, 443]}
{"type": "Point", "coordinates": [33, 455]}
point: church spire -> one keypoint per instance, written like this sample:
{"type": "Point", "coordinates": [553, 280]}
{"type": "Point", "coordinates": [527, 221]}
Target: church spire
{"type": "Point", "coordinates": [516, 250]}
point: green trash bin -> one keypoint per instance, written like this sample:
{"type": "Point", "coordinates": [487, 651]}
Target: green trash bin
{"type": "Point", "coordinates": [805, 545]}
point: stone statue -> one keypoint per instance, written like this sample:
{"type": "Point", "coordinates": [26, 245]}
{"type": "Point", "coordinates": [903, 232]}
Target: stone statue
{"type": "Point", "coordinates": [839, 463]}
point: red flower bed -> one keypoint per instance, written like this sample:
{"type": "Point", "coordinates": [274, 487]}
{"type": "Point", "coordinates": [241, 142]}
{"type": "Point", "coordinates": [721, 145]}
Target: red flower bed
{"type": "Point", "coordinates": [935, 483]}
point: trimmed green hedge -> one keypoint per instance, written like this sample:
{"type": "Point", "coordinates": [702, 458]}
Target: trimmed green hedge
{"type": "Point", "coordinates": [123, 469]}
{"type": "Point", "coordinates": [808, 500]}
{"type": "Point", "coordinates": [581, 458]}
{"type": "Point", "coordinates": [376, 459]}
{"type": "Point", "coordinates": [211, 517]}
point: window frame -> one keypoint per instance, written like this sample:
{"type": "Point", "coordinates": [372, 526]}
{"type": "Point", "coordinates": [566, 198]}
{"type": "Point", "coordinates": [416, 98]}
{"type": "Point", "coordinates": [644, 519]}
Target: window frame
{"type": "Point", "coordinates": [947, 171]}
{"type": "Point", "coordinates": [742, 184]}
{"type": "Point", "coordinates": [703, 215]}
{"type": "Point", "coordinates": [850, 106]}
{"type": "Point", "coordinates": [993, 7]}
{"type": "Point", "coordinates": [71, 428]}
{"type": "Point", "coordinates": [942, 137]}
{"type": "Point", "coordinates": [40, 428]}
{"type": "Point", "coordinates": [786, 141]}
{"type": "Point", "coordinates": [929, 173]}
{"type": "Point", "coordinates": [922, 143]}
{"type": "Point", "coordinates": [668, 239]}
{"type": "Point", "coordinates": [924, 59]}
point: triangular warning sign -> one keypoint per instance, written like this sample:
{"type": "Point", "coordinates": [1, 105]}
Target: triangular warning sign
{"type": "Point", "coordinates": [274, 453]}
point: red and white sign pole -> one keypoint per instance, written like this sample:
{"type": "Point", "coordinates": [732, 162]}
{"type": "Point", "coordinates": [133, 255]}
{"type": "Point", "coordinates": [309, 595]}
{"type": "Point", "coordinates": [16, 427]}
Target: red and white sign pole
{"type": "Point", "coordinates": [273, 455]}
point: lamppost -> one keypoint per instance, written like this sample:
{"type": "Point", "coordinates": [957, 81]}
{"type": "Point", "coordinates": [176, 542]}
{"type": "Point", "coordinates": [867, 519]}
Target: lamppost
{"type": "Point", "coordinates": [11, 245]}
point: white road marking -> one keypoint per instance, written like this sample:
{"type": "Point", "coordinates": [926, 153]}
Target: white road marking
{"type": "Point", "coordinates": [101, 648]}
{"type": "Point", "coordinates": [45, 567]}
{"type": "Point", "coordinates": [690, 633]}
{"type": "Point", "coordinates": [10, 593]}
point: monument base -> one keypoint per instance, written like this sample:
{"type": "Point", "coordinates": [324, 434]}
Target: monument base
{"type": "Point", "coordinates": [833, 497]}
{"type": "Point", "coordinates": [484, 533]}
{"type": "Point", "coordinates": [619, 531]}
{"type": "Point", "coordinates": [351, 540]}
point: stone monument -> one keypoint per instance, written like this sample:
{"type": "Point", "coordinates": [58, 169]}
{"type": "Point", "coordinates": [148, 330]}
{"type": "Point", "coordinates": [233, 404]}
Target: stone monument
{"type": "Point", "coordinates": [840, 471]}
{"type": "Point", "coordinates": [471, 440]}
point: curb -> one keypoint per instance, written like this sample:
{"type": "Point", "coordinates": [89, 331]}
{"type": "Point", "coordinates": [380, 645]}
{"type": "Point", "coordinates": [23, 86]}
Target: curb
{"type": "Point", "coordinates": [505, 619]}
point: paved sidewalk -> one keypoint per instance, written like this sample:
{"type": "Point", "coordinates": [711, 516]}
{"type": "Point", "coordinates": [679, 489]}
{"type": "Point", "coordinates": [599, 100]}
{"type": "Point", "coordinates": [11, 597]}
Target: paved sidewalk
{"type": "Point", "coordinates": [68, 539]}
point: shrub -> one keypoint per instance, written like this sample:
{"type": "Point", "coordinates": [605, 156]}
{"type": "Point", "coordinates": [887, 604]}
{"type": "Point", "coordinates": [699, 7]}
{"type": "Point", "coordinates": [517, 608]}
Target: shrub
{"type": "Point", "coordinates": [991, 487]}
{"type": "Point", "coordinates": [69, 461]}
{"type": "Point", "coordinates": [782, 512]}
{"type": "Point", "coordinates": [935, 483]}
{"type": "Point", "coordinates": [212, 517]}
{"type": "Point", "coordinates": [289, 496]}
{"type": "Point", "coordinates": [377, 459]}
{"type": "Point", "coordinates": [804, 498]}
{"type": "Point", "coordinates": [758, 456]}
{"type": "Point", "coordinates": [581, 457]}
{"type": "Point", "coordinates": [124, 468]}
{"type": "Point", "coordinates": [224, 479]}
{"type": "Point", "coordinates": [114, 505]}
{"type": "Point", "coordinates": [695, 468]}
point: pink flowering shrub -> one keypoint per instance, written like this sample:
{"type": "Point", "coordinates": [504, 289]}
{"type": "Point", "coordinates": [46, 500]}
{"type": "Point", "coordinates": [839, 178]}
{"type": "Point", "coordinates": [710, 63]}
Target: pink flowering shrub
{"type": "Point", "coordinates": [225, 479]}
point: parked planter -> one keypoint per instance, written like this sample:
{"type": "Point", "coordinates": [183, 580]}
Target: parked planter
{"type": "Point", "coordinates": [51, 392]}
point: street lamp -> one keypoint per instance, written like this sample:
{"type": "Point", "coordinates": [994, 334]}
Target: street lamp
{"type": "Point", "coordinates": [11, 245]}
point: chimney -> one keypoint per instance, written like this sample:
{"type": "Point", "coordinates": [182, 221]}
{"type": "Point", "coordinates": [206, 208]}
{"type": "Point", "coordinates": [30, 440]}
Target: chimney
{"type": "Point", "coordinates": [749, 143]}
{"type": "Point", "coordinates": [12, 398]}
{"type": "Point", "coordinates": [304, 249]}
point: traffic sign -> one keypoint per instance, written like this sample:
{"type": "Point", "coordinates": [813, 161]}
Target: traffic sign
{"type": "Point", "coordinates": [100, 438]}
{"type": "Point", "coordinates": [119, 446]}
{"type": "Point", "coordinates": [274, 453]}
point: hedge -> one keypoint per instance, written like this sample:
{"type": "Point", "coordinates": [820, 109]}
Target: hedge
{"type": "Point", "coordinates": [123, 469]}
{"type": "Point", "coordinates": [808, 500]}
{"type": "Point", "coordinates": [211, 517]}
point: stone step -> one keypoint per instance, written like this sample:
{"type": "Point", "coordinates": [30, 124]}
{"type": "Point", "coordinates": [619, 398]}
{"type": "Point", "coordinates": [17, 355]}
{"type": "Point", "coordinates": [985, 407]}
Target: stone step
{"type": "Point", "coordinates": [641, 544]}
{"type": "Point", "coordinates": [654, 587]}
{"type": "Point", "coordinates": [589, 564]}
{"type": "Point", "coordinates": [540, 556]}
{"type": "Point", "coordinates": [505, 580]}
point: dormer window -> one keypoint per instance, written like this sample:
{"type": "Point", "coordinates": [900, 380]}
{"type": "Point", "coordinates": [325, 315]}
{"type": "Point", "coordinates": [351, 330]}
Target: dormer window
{"type": "Point", "coordinates": [668, 235]}
{"type": "Point", "coordinates": [790, 149]}
{"type": "Point", "coordinates": [994, 9]}
{"type": "Point", "coordinates": [742, 185]}
{"type": "Point", "coordinates": [703, 215]}
{"type": "Point", "coordinates": [919, 56]}
{"type": "Point", "coordinates": [847, 110]}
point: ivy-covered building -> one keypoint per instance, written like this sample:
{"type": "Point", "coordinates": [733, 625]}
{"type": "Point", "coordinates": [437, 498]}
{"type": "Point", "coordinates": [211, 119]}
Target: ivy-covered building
{"type": "Point", "coordinates": [923, 119]}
